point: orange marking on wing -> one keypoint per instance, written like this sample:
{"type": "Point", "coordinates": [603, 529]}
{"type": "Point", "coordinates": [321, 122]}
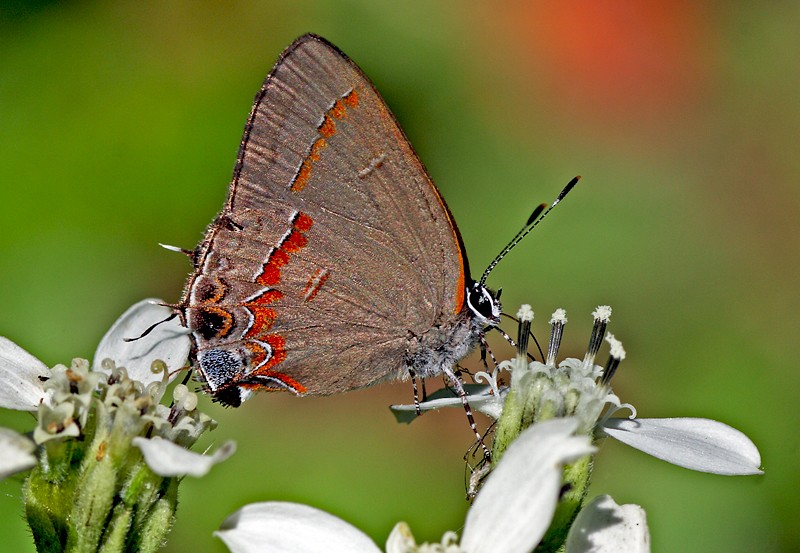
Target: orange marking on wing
{"type": "Point", "coordinates": [326, 130]}
{"type": "Point", "coordinates": [279, 257]}
{"type": "Point", "coordinates": [303, 222]}
{"type": "Point", "coordinates": [338, 111]}
{"type": "Point", "coordinates": [270, 275]}
{"type": "Point", "coordinates": [328, 127]}
{"type": "Point", "coordinates": [285, 378]}
{"type": "Point", "coordinates": [227, 319]}
{"type": "Point", "coordinates": [294, 242]}
{"type": "Point", "coordinates": [351, 99]}
{"type": "Point", "coordinates": [461, 285]}
{"type": "Point", "coordinates": [317, 148]}
{"type": "Point", "coordinates": [315, 283]}
{"type": "Point", "coordinates": [219, 291]}
{"type": "Point", "coordinates": [278, 345]}
{"type": "Point", "coordinates": [271, 271]}
{"type": "Point", "coordinates": [257, 352]}
{"type": "Point", "coordinates": [303, 175]}
{"type": "Point", "coordinates": [263, 319]}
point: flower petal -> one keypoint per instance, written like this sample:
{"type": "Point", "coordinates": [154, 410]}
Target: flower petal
{"type": "Point", "coordinates": [479, 396]}
{"type": "Point", "coordinates": [21, 387]}
{"type": "Point", "coordinates": [697, 444]}
{"type": "Point", "coordinates": [167, 459]}
{"type": "Point", "coordinates": [167, 341]}
{"type": "Point", "coordinates": [515, 506]}
{"type": "Point", "coordinates": [281, 527]}
{"type": "Point", "coordinates": [16, 453]}
{"type": "Point", "coordinates": [602, 526]}
{"type": "Point", "coordinates": [55, 423]}
{"type": "Point", "coordinates": [401, 540]}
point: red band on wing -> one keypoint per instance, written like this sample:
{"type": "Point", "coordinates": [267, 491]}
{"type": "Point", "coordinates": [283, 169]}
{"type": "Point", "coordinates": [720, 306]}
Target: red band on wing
{"type": "Point", "coordinates": [303, 222]}
{"type": "Point", "coordinates": [338, 110]}
{"type": "Point", "coordinates": [268, 360]}
{"type": "Point", "coordinates": [351, 99]}
{"type": "Point", "coordinates": [263, 317]}
{"type": "Point", "coordinates": [328, 127]}
{"type": "Point", "coordinates": [293, 242]}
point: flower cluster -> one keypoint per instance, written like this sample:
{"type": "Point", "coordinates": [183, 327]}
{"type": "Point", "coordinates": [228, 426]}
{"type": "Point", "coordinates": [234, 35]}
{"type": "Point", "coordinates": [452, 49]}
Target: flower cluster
{"type": "Point", "coordinates": [106, 454]}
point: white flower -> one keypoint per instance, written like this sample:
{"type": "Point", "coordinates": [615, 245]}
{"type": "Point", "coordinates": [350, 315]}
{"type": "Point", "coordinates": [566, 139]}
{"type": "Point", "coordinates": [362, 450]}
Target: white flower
{"type": "Point", "coordinates": [582, 389]}
{"type": "Point", "coordinates": [510, 514]}
{"type": "Point", "coordinates": [109, 455]}
{"type": "Point", "coordinates": [514, 509]}
{"type": "Point", "coordinates": [23, 376]}
{"type": "Point", "coordinates": [63, 396]}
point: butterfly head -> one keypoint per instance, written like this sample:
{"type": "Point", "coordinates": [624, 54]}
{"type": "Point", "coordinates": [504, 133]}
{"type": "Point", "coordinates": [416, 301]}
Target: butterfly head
{"type": "Point", "coordinates": [484, 305]}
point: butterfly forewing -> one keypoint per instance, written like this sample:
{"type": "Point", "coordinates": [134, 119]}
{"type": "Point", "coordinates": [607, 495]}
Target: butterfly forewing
{"type": "Point", "coordinates": [334, 247]}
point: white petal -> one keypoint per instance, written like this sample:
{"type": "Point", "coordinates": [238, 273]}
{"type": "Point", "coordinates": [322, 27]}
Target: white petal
{"type": "Point", "coordinates": [280, 527]}
{"type": "Point", "coordinates": [166, 458]}
{"type": "Point", "coordinates": [602, 526]}
{"type": "Point", "coordinates": [16, 453]}
{"type": "Point", "coordinates": [168, 341]}
{"type": "Point", "coordinates": [697, 444]}
{"type": "Point", "coordinates": [20, 385]}
{"type": "Point", "coordinates": [479, 397]}
{"type": "Point", "coordinates": [401, 540]}
{"type": "Point", "coordinates": [516, 505]}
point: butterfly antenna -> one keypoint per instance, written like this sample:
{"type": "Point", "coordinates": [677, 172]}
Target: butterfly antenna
{"type": "Point", "coordinates": [152, 327]}
{"type": "Point", "coordinates": [536, 217]}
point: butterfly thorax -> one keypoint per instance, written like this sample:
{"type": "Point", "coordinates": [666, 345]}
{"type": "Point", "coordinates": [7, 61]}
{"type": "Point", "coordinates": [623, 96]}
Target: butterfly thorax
{"type": "Point", "coordinates": [445, 345]}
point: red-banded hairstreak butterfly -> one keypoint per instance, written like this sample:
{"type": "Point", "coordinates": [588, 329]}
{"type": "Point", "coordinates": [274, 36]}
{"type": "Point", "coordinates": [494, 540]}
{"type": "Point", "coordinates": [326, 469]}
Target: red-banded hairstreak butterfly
{"type": "Point", "coordinates": [335, 262]}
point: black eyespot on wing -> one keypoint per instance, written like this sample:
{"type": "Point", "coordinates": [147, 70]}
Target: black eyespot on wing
{"type": "Point", "coordinates": [211, 322]}
{"type": "Point", "coordinates": [208, 289]}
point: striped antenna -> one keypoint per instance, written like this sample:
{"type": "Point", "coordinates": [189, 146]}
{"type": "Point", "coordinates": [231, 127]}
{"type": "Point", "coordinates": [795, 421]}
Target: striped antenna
{"type": "Point", "coordinates": [536, 217]}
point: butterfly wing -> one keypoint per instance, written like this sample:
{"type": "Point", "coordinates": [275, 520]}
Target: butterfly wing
{"type": "Point", "coordinates": [334, 247]}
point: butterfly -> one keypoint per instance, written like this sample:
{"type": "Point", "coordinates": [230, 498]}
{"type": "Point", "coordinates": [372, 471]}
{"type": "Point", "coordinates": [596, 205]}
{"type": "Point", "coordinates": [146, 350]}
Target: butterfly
{"type": "Point", "coordinates": [335, 263]}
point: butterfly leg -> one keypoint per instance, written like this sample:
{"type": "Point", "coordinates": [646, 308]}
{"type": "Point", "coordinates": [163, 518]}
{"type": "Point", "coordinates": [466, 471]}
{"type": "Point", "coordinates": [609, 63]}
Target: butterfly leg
{"type": "Point", "coordinates": [486, 349]}
{"type": "Point", "coordinates": [413, 376]}
{"type": "Point", "coordinates": [478, 467]}
{"type": "Point", "coordinates": [456, 381]}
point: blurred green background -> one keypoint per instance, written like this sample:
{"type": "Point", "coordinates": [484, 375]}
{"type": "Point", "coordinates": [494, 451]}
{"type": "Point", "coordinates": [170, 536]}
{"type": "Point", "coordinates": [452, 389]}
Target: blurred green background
{"type": "Point", "coordinates": [119, 124]}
